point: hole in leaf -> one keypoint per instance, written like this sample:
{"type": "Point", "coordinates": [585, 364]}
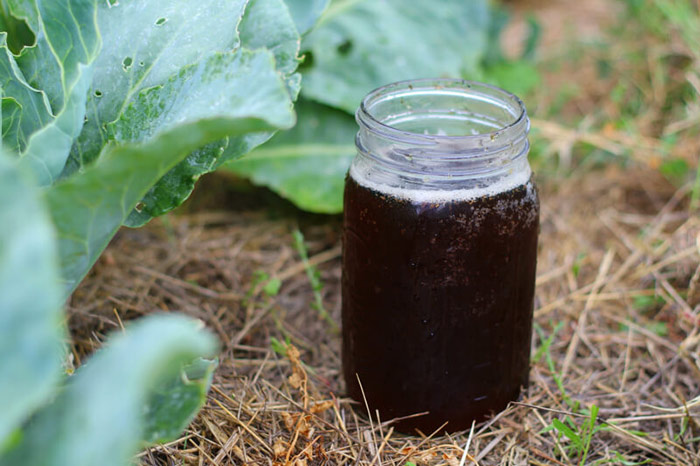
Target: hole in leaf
{"type": "Point", "coordinates": [345, 47]}
{"type": "Point", "coordinates": [141, 63]}
{"type": "Point", "coordinates": [18, 34]}
{"type": "Point", "coordinates": [111, 3]}
{"type": "Point", "coordinates": [307, 61]}
{"type": "Point", "coordinates": [98, 93]}
{"type": "Point", "coordinates": [139, 207]}
{"type": "Point", "coordinates": [161, 21]}
{"type": "Point", "coordinates": [126, 64]}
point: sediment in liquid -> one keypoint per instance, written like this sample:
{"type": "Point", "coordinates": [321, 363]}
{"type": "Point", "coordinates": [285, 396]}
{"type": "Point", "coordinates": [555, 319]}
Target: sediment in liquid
{"type": "Point", "coordinates": [438, 292]}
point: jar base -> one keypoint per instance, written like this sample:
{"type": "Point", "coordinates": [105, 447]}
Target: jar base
{"type": "Point", "coordinates": [444, 423]}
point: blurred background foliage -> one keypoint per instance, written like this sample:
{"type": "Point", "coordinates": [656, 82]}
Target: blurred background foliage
{"type": "Point", "coordinates": [622, 89]}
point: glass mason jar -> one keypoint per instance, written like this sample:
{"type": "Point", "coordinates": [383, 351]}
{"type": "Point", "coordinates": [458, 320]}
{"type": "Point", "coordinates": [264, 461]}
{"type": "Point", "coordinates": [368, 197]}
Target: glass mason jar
{"type": "Point", "coordinates": [441, 218]}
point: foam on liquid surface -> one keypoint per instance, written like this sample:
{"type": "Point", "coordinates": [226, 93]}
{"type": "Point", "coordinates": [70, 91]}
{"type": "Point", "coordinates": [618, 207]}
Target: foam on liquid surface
{"type": "Point", "coordinates": [504, 183]}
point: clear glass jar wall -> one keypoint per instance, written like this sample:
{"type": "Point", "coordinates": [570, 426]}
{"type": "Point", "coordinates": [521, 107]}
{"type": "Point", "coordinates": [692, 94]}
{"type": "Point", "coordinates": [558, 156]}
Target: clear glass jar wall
{"type": "Point", "coordinates": [441, 219]}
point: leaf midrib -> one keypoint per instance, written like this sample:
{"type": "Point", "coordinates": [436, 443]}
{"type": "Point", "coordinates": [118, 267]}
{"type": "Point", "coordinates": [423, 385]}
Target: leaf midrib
{"type": "Point", "coordinates": [302, 150]}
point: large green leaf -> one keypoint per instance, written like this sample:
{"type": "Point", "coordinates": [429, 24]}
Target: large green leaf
{"type": "Point", "coordinates": [306, 164]}
{"type": "Point", "coordinates": [268, 24]}
{"type": "Point", "coordinates": [31, 330]}
{"type": "Point", "coordinates": [237, 83]}
{"type": "Point", "coordinates": [18, 33]}
{"type": "Point", "coordinates": [43, 71]}
{"type": "Point", "coordinates": [176, 185]}
{"type": "Point", "coordinates": [32, 108]}
{"type": "Point", "coordinates": [360, 45]}
{"type": "Point", "coordinates": [67, 36]}
{"type": "Point", "coordinates": [11, 118]}
{"type": "Point", "coordinates": [225, 94]}
{"type": "Point", "coordinates": [99, 417]}
{"type": "Point", "coordinates": [49, 147]}
{"type": "Point", "coordinates": [230, 84]}
{"type": "Point", "coordinates": [144, 43]}
{"type": "Point", "coordinates": [306, 13]}
{"type": "Point", "coordinates": [25, 10]}
{"type": "Point", "coordinates": [67, 41]}
{"type": "Point", "coordinates": [265, 24]}
{"type": "Point", "coordinates": [173, 404]}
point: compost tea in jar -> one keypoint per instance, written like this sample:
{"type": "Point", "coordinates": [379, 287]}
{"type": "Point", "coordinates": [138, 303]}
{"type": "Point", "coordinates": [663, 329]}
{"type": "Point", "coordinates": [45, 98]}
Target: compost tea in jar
{"type": "Point", "coordinates": [441, 219]}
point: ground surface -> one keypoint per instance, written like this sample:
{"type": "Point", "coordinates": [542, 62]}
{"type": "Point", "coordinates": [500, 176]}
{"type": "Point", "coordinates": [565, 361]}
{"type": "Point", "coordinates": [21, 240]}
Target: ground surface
{"type": "Point", "coordinates": [617, 306]}
{"type": "Point", "coordinates": [618, 248]}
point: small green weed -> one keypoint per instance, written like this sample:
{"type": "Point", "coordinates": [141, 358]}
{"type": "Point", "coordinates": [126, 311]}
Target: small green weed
{"type": "Point", "coordinates": [544, 350]}
{"type": "Point", "coordinates": [695, 191]}
{"type": "Point", "coordinates": [314, 278]}
{"type": "Point", "coordinates": [279, 347]}
{"type": "Point", "coordinates": [579, 435]}
{"type": "Point", "coordinates": [657, 328]}
{"type": "Point", "coordinates": [576, 267]}
{"type": "Point", "coordinates": [270, 285]}
{"type": "Point", "coordinates": [546, 342]}
{"type": "Point", "coordinates": [619, 458]}
{"type": "Point", "coordinates": [645, 302]}
{"type": "Point", "coordinates": [675, 169]}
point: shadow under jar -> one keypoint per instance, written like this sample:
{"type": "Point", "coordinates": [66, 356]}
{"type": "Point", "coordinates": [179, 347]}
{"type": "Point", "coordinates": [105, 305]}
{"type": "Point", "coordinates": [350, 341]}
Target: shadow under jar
{"type": "Point", "coordinates": [441, 218]}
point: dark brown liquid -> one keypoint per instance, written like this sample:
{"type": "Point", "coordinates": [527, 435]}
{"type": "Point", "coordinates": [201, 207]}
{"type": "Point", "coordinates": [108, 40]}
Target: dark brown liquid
{"type": "Point", "coordinates": [437, 303]}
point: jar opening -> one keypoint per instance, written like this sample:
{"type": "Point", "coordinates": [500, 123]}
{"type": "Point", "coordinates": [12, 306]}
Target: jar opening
{"type": "Point", "coordinates": [429, 110]}
{"type": "Point", "coordinates": [442, 134]}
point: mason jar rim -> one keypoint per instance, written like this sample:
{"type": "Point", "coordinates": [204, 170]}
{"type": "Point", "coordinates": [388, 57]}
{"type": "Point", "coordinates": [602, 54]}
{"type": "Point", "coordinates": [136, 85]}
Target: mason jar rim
{"type": "Point", "coordinates": [366, 118]}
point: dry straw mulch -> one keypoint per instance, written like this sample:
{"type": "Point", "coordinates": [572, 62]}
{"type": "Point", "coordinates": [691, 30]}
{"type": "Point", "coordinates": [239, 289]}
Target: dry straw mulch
{"type": "Point", "coordinates": [617, 313]}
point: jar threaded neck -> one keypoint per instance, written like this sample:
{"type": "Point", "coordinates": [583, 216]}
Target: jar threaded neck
{"type": "Point", "coordinates": [443, 128]}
